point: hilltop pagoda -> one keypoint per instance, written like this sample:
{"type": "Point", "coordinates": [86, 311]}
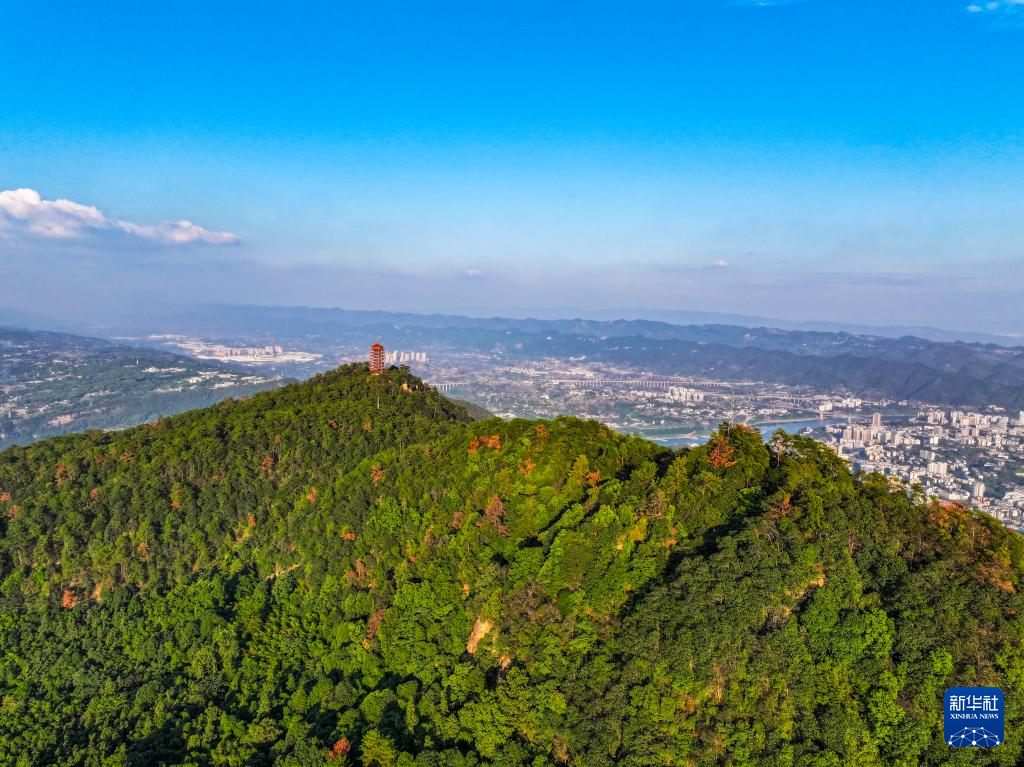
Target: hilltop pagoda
{"type": "Point", "coordinates": [377, 358]}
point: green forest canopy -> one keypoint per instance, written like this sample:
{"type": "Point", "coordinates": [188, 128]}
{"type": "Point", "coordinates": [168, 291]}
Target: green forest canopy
{"type": "Point", "coordinates": [351, 571]}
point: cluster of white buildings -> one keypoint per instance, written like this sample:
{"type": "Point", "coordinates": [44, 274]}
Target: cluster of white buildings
{"type": "Point", "coordinates": [398, 357]}
{"type": "Point", "coordinates": [244, 351]}
{"type": "Point", "coordinates": [954, 455]}
{"type": "Point", "coordinates": [1009, 510]}
{"type": "Point", "coordinates": [680, 394]}
{"type": "Point", "coordinates": [272, 354]}
{"type": "Point", "coordinates": [844, 403]}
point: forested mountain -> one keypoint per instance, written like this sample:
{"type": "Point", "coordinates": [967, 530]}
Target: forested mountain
{"type": "Point", "coordinates": [56, 383]}
{"type": "Point", "coordinates": [351, 571]}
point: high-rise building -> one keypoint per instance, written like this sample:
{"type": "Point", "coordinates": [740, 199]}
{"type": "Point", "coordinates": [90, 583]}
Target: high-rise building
{"type": "Point", "coordinates": [377, 358]}
{"type": "Point", "coordinates": [400, 357]}
{"type": "Point", "coordinates": [876, 421]}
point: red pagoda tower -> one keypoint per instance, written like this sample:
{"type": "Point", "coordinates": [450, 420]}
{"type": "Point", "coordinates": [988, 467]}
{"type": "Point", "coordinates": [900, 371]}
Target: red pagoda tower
{"type": "Point", "coordinates": [377, 358]}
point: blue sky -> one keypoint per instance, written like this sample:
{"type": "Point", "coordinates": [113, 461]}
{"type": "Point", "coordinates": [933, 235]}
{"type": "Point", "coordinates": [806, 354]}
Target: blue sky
{"type": "Point", "coordinates": [822, 159]}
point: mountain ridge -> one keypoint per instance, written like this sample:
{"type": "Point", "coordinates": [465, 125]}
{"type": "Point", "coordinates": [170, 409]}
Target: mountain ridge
{"type": "Point", "coordinates": [216, 315]}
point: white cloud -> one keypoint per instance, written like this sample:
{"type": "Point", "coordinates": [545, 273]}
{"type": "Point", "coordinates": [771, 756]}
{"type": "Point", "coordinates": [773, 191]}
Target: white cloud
{"type": "Point", "coordinates": [996, 5]}
{"type": "Point", "coordinates": [48, 218]}
{"type": "Point", "coordinates": [178, 233]}
{"type": "Point", "coordinates": [720, 264]}
{"type": "Point", "coordinates": [26, 211]}
{"type": "Point", "coordinates": [473, 273]}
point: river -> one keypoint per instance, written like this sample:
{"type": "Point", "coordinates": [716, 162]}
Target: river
{"type": "Point", "coordinates": [767, 428]}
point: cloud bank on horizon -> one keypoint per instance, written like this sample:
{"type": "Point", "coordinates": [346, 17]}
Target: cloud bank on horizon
{"type": "Point", "coordinates": [25, 212]}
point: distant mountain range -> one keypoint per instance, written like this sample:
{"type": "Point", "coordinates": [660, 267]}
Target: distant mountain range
{"type": "Point", "coordinates": [682, 317]}
{"type": "Point", "coordinates": [957, 374]}
{"type": "Point", "coordinates": [245, 317]}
